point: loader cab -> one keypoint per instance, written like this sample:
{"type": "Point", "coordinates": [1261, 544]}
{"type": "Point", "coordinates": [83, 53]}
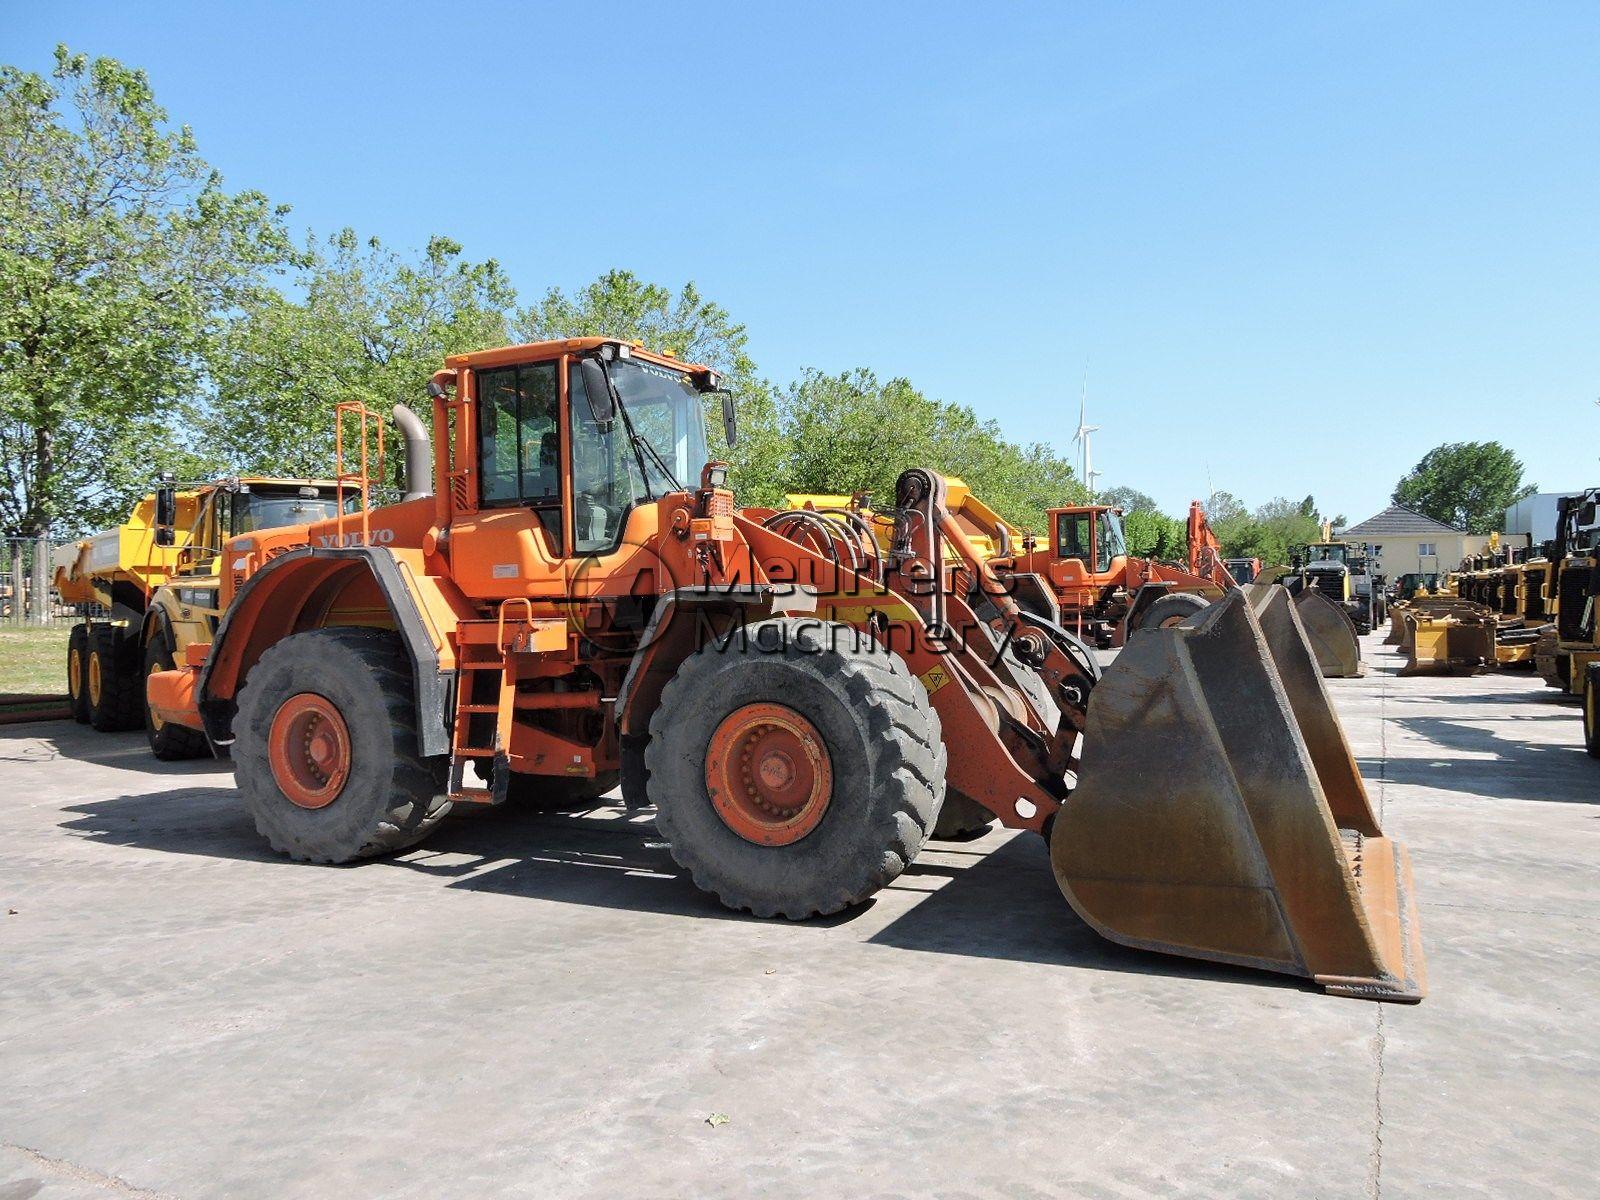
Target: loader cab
{"type": "Point", "coordinates": [1090, 536]}
{"type": "Point", "coordinates": [1243, 570]}
{"type": "Point", "coordinates": [561, 449]}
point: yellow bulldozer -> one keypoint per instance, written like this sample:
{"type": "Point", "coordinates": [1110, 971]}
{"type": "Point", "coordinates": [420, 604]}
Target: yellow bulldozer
{"type": "Point", "coordinates": [582, 602]}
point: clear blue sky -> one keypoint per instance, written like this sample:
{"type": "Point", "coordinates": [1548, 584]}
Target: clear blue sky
{"type": "Point", "coordinates": [1295, 246]}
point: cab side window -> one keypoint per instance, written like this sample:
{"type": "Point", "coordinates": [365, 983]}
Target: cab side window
{"type": "Point", "coordinates": [1072, 536]}
{"type": "Point", "coordinates": [518, 435]}
{"type": "Point", "coordinates": [519, 440]}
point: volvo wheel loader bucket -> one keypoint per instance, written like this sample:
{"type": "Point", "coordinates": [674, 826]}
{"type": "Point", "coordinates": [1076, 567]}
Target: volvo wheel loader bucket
{"type": "Point", "coordinates": [1333, 635]}
{"type": "Point", "coordinates": [1220, 815]}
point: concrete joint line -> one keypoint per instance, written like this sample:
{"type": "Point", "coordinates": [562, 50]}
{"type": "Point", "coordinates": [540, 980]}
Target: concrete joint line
{"type": "Point", "coordinates": [1375, 1159]}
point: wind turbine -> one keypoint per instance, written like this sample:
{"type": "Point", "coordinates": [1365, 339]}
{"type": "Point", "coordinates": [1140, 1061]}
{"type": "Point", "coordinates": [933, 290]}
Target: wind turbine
{"type": "Point", "coordinates": [1081, 438]}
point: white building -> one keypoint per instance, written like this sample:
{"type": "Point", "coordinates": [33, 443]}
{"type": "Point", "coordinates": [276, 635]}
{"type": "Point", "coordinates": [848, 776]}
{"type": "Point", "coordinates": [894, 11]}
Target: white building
{"type": "Point", "coordinates": [1535, 516]}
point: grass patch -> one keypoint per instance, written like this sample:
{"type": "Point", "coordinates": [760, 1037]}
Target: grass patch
{"type": "Point", "coordinates": [33, 660]}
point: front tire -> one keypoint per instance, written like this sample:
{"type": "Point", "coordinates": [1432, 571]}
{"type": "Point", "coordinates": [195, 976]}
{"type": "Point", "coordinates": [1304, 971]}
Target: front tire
{"type": "Point", "coordinates": [168, 740]}
{"type": "Point", "coordinates": [326, 748]}
{"type": "Point", "coordinates": [796, 769]}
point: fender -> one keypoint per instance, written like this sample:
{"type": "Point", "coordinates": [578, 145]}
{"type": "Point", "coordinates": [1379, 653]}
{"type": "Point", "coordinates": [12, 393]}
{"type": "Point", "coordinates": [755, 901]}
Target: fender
{"type": "Point", "coordinates": [667, 642]}
{"type": "Point", "coordinates": [249, 627]}
{"type": "Point", "coordinates": [157, 621]}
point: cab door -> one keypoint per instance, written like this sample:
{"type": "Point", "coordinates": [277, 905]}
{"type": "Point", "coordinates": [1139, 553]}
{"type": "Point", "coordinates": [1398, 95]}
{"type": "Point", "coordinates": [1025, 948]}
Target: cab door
{"type": "Point", "coordinates": [1074, 547]}
{"type": "Point", "coordinates": [514, 543]}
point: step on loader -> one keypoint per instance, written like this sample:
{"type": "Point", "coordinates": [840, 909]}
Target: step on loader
{"type": "Point", "coordinates": [582, 603]}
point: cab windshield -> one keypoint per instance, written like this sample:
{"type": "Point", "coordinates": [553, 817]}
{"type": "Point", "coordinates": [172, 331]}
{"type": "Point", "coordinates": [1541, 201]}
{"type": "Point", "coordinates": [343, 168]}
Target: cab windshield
{"type": "Point", "coordinates": [612, 472]}
{"type": "Point", "coordinates": [253, 511]}
{"type": "Point", "coordinates": [1330, 554]}
{"type": "Point", "coordinates": [1110, 543]}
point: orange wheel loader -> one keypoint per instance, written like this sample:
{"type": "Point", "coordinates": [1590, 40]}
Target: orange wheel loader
{"type": "Point", "coordinates": [582, 602]}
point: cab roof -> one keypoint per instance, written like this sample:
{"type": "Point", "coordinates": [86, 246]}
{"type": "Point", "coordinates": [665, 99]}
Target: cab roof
{"type": "Point", "coordinates": [543, 351]}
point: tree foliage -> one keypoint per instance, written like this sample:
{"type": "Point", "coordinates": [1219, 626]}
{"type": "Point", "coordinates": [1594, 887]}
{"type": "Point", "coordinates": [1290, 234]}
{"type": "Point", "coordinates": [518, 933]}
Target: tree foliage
{"type": "Point", "coordinates": [1129, 500]}
{"type": "Point", "coordinates": [120, 254]}
{"type": "Point", "coordinates": [1465, 484]}
{"type": "Point", "coordinates": [1150, 533]}
{"type": "Point", "coordinates": [1271, 532]}
{"type": "Point", "coordinates": [852, 432]}
{"type": "Point", "coordinates": [369, 325]}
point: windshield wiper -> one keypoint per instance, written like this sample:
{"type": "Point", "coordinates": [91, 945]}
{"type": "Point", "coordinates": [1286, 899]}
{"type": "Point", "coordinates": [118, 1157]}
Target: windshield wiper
{"type": "Point", "coordinates": [641, 446]}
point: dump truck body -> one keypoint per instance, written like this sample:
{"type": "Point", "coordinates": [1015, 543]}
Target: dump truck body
{"type": "Point", "coordinates": [581, 602]}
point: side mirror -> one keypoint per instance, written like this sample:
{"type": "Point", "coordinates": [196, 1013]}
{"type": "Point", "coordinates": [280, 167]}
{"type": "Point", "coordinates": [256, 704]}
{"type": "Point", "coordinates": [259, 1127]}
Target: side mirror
{"type": "Point", "coordinates": [166, 513]}
{"type": "Point", "coordinates": [730, 422]}
{"type": "Point", "coordinates": [598, 388]}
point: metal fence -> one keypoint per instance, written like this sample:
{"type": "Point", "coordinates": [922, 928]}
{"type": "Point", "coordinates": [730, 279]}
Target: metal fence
{"type": "Point", "coordinates": [26, 594]}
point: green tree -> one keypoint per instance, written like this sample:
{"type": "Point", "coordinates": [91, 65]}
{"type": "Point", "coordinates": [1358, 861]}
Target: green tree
{"type": "Point", "coordinates": [1153, 534]}
{"type": "Point", "coordinates": [1129, 500]}
{"type": "Point", "coordinates": [120, 252]}
{"type": "Point", "coordinates": [370, 325]}
{"type": "Point", "coordinates": [1465, 484]}
{"type": "Point", "coordinates": [695, 329]}
{"type": "Point", "coordinates": [850, 432]}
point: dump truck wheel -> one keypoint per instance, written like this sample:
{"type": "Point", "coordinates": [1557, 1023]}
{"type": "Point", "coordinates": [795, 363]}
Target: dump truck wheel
{"type": "Point", "coordinates": [1171, 610]}
{"type": "Point", "coordinates": [557, 793]}
{"type": "Point", "coordinates": [795, 770]}
{"type": "Point", "coordinates": [1591, 710]}
{"type": "Point", "coordinates": [168, 741]}
{"type": "Point", "coordinates": [326, 748]}
{"type": "Point", "coordinates": [78, 673]}
{"type": "Point", "coordinates": [115, 686]}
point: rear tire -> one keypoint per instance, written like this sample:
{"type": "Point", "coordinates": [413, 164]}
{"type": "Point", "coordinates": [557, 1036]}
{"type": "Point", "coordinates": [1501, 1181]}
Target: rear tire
{"type": "Point", "coordinates": [1172, 609]}
{"type": "Point", "coordinates": [390, 796]}
{"type": "Point", "coordinates": [78, 673]}
{"type": "Point", "coordinates": [867, 755]}
{"type": "Point", "coordinates": [169, 741]}
{"type": "Point", "coordinates": [115, 686]}
{"type": "Point", "coordinates": [1591, 710]}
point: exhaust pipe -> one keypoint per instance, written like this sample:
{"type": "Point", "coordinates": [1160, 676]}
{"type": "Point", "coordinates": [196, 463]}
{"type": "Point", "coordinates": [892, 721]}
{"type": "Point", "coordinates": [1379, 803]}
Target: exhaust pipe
{"type": "Point", "coordinates": [419, 453]}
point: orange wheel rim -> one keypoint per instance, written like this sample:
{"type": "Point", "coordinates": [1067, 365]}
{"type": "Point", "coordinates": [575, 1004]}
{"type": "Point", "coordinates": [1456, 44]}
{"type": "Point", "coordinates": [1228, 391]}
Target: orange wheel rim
{"type": "Point", "coordinates": [309, 750]}
{"type": "Point", "coordinates": [75, 673]}
{"type": "Point", "coordinates": [94, 679]}
{"type": "Point", "coordinates": [768, 774]}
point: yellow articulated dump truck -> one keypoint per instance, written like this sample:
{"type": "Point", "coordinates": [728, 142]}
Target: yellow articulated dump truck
{"type": "Point", "coordinates": [147, 590]}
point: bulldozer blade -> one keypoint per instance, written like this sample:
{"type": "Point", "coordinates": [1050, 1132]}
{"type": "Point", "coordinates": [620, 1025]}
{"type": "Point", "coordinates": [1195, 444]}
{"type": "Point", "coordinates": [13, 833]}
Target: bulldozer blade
{"type": "Point", "coordinates": [1219, 813]}
{"type": "Point", "coordinates": [1332, 633]}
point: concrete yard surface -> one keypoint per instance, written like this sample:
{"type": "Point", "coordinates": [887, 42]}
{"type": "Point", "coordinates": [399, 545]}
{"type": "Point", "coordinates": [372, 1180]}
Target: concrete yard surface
{"type": "Point", "coordinates": [537, 1005]}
